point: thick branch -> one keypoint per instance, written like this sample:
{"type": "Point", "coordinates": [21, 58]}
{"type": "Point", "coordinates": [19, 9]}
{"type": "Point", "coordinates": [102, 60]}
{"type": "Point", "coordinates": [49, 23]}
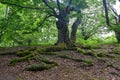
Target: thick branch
{"type": "Point", "coordinates": [46, 3]}
{"type": "Point", "coordinates": [68, 6]}
{"type": "Point", "coordinates": [58, 4]}
{"type": "Point", "coordinates": [41, 23]}
{"type": "Point", "coordinates": [21, 6]}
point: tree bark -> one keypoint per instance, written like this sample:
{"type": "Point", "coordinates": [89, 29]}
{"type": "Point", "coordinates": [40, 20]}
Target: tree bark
{"type": "Point", "coordinates": [63, 32]}
{"type": "Point", "coordinates": [117, 34]}
{"type": "Point", "coordinates": [74, 29]}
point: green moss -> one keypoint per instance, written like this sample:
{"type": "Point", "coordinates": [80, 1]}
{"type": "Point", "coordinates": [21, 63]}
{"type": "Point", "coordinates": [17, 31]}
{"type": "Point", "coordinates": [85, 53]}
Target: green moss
{"type": "Point", "coordinates": [23, 53]}
{"type": "Point", "coordinates": [59, 47]}
{"type": "Point", "coordinates": [32, 49]}
{"type": "Point", "coordinates": [48, 62]}
{"type": "Point", "coordinates": [16, 60]}
{"type": "Point", "coordinates": [64, 56]}
{"type": "Point", "coordinates": [89, 52]}
{"type": "Point", "coordinates": [39, 67]}
{"type": "Point", "coordinates": [86, 52]}
{"type": "Point", "coordinates": [116, 51]}
{"type": "Point", "coordinates": [82, 51]}
{"type": "Point", "coordinates": [41, 49]}
{"type": "Point", "coordinates": [45, 65]}
{"type": "Point", "coordinates": [113, 66]}
{"type": "Point", "coordinates": [88, 61]}
{"type": "Point", "coordinates": [104, 54]}
{"type": "Point", "coordinates": [117, 57]}
{"type": "Point", "coordinates": [91, 46]}
{"type": "Point", "coordinates": [101, 54]}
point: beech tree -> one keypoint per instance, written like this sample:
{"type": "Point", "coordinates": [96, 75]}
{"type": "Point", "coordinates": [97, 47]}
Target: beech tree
{"type": "Point", "coordinates": [62, 10]}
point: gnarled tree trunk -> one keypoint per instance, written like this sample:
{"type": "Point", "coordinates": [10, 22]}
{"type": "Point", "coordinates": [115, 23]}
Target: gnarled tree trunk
{"type": "Point", "coordinates": [63, 32]}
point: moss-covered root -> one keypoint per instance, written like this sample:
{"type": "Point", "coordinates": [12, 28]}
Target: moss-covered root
{"type": "Point", "coordinates": [55, 48]}
{"type": "Point", "coordinates": [41, 67]}
{"type": "Point", "coordinates": [23, 53]}
{"type": "Point", "coordinates": [16, 60]}
{"type": "Point", "coordinates": [86, 61]}
{"type": "Point", "coordinates": [86, 52]}
{"type": "Point", "coordinates": [115, 51]}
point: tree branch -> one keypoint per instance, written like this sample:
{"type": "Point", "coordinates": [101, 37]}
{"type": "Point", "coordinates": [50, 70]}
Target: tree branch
{"type": "Point", "coordinates": [114, 11]}
{"type": "Point", "coordinates": [21, 6]}
{"type": "Point", "coordinates": [42, 22]}
{"type": "Point", "coordinates": [46, 3]}
{"type": "Point", "coordinates": [58, 4]}
{"type": "Point", "coordinates": [68, 6]}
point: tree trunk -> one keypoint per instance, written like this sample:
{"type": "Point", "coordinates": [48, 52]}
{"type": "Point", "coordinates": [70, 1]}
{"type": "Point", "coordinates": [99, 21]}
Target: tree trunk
{"type": "Point", "coordinates": [117, 34]}
{"type": "Point", "coordinates": [63, 32]}
{"type": "Point", "coordinates": [74, 29]}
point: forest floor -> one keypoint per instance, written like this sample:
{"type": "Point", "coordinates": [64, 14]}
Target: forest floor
{"type": "Point", "coordinates": [102, 68]}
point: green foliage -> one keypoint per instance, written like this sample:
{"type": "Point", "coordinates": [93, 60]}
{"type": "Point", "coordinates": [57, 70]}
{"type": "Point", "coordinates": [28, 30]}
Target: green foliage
{"type": "Point", "coordinates": [88, 61]}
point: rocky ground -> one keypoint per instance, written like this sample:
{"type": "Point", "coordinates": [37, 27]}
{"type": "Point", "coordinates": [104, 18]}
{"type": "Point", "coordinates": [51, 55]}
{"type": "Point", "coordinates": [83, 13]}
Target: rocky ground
{"type": "Point", "coordinates": [102, 68]}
